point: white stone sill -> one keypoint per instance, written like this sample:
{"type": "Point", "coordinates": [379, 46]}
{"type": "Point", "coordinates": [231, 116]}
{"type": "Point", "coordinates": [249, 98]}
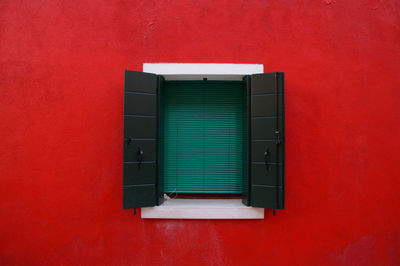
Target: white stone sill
{"type": "Point", "coordinates": [202, 209]}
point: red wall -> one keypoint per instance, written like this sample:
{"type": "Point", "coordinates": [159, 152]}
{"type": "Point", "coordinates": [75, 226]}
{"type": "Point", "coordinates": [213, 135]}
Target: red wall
{"type": "Point", "coordinates": [61, 82]}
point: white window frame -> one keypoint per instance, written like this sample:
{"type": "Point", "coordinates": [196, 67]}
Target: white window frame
{"type": "Point", "coordinates": [202, 208]}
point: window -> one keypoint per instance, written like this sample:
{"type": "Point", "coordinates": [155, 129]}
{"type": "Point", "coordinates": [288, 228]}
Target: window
{"type": "Point", "coordinates": [253, 140]}
{"type": "Point", "coordinates": [202, 140]}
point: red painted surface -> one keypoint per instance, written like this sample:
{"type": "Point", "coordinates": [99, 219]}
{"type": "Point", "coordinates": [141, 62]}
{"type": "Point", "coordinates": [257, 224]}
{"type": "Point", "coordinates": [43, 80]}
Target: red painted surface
{"type": "Point", "coordinates": [61, 81]}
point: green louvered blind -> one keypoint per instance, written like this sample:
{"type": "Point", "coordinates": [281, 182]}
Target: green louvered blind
{"type": "Point", "coordinates": [202, 136]}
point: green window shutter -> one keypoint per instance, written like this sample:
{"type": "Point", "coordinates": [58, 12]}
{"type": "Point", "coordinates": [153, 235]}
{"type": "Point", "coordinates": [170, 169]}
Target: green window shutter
{"type": "Point", "coordinates": [267, 141]}
{"type": "Point", "coordinates": [203, 138]}
{"type": "Point", "coordinates": [140, 136]}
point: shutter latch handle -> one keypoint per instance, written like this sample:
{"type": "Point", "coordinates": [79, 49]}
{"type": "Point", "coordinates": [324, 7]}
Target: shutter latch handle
{"type": "Point", "coordinates": [267, 153]}
{"type": "Point", "coordinates": [140, 154]}
{"type": "Point", "coordinates": [277, 138]}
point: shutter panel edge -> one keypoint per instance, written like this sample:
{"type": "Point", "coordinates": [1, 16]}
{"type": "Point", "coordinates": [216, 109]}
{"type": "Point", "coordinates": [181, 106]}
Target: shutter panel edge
{"type": "Point", "coordinates": [159, 153]}
{"type": "Point", "coordinates": [281, 84]}
{"type": "Point", "coordinates": [246, 193]}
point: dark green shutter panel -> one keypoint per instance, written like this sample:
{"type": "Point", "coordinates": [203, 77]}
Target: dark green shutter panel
{"type": "Point", "coordinates": [246, 180]}
{"type": "Point", "coordinates": [267, 141]}
{"type": "Point", "coordinates": [203, 140]}
{"type": "Point", "coordinates": [140, 140]}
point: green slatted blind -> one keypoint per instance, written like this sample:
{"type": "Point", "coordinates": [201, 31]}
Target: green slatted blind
{"type": "Point", "coordinates": [202, 136]}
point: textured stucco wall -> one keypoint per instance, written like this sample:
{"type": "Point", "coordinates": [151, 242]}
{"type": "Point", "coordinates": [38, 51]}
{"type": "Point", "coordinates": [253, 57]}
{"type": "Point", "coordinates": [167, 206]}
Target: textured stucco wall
{"type": "Point", "coordinates": [61, 84]}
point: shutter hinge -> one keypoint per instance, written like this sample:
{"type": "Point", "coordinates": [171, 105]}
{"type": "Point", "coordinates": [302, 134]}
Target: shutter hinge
{"type": "Point", "coordinates": [277, 137]}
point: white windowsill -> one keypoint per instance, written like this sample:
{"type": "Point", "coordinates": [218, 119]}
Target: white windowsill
{"type": "Point", "coordinates": [202, 209]}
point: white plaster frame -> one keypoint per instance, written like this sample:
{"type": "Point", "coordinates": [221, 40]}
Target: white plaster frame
{"type": "Point", "coordinates": [202, 208]}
